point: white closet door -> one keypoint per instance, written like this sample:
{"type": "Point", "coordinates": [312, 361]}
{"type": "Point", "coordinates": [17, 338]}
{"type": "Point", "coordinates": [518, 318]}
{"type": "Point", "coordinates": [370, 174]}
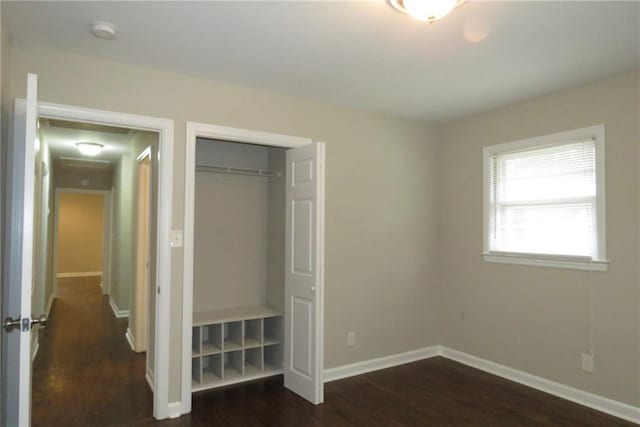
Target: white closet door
{"type": "Point", "coordinates": [304, 277]}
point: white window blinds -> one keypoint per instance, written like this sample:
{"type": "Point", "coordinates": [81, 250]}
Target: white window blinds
{"type": "Point", "coordinates": [543, 201]}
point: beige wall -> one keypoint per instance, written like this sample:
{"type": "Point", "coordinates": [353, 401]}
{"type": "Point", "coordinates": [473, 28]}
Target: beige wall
{"type": "Point", "coordinates": [535, 318]}
{"type": "Point", "coordinates": [74, 177]}
{"type": "Point", "coordinates": [380, 199]}
{"type": "Point", "coordinates": [122, 252]}
{"type": "Point", "coordinates": [80, 232]}
{"type": "Point", "coordinates": [43, 228]}
{"type": "Point", "coordinates": [230, 248]}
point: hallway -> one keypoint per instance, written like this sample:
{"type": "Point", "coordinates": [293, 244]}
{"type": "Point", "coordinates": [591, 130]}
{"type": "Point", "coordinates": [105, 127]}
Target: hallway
{"type": "Point", "coordinates": [85, 373]}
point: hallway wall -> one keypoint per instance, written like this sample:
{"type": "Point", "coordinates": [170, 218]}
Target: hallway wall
{"type": "Point", "coordinates": [43, 228]}
{"type": "Point", "coordinates": [122, 241]}
{"type": "Point", "coordinates": [124, 220]}
{"type": "Point", "coordinates": [80, 232]}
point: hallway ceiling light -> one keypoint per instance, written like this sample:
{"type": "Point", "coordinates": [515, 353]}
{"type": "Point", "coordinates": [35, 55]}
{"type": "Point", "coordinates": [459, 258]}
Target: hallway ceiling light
{"type": "Point", "coordinates": [89, 148]}
{"type": "Point", "coordinates": [104, 30]}
{"type": "Point", "coordinates": [426, 10]}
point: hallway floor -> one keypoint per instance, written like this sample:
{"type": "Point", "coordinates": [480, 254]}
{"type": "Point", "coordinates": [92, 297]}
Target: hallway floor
{"type": "Point", "coordinates": [86, 375]}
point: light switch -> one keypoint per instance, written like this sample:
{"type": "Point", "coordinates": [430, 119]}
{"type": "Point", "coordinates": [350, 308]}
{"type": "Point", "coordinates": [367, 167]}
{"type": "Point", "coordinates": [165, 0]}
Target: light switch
{"type": "Point", "coordinates": [176, 238]}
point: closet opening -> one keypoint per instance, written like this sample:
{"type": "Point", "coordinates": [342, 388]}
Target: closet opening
{"type": "Point", "coordinates": [238, 280]}
{"type": "Point", "coordinates": [253, 284]}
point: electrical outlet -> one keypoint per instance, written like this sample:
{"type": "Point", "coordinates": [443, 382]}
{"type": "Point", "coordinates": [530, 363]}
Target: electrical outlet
{"type": "Point", "coordinates": [351, 339]}
{"type": "Point", "coordinates": [587, 362]}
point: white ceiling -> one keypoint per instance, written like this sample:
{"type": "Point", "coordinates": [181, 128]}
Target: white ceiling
{"type": "Point", "coordinates": [62, 142]}
{"type": "Point", "coordinates": [360, 54]}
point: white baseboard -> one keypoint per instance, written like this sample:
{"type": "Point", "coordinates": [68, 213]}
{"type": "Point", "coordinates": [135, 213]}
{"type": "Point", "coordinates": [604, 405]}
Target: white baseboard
{"type": "Point", "coordinates": [600, 403]}
{"type": "Point", "coordinates": [116, 311]}
{"type": "Point", "coordinates": [129, 337]}
{"type": "Point", "coordinates": [149, 377]}
{"type": "Point", "coordinates": [174, 409]}
{"type": "Point", "coordinates": [80, 274]}
{"type": "Point", "coordinates": [359, 368]}
{"type": "Point", "coordinates": [590, 400]}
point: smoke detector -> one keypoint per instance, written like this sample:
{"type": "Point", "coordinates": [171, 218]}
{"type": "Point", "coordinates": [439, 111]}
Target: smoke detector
{"type": "Point", "coordinates": [104, 30]}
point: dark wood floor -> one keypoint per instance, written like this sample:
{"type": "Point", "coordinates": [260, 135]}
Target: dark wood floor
{"type": "Point", "coordinates": [86, 375]}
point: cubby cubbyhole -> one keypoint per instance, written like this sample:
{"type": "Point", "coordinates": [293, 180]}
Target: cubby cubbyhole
{"type": "Point", "coordinates": [196, 340]}
{"type": "Point", "coordinates": [253, 361]}
{"type": "Point", "coordinates": [196, 371]}
{"type": "Point", "coordinates": [212, 368]}
{"type": "Point", "coordinates": [232, 336]}
{"type": "Point", "coordinates": [272, 358]}
{"type": "Point", "coordinates": [211, 339]}
{"type": "Point", "coordinates": [233, 365]}
{"type": "Point", "coordinates": [272, 330]}
{"type": "Point", "coordinates": [252, 333]}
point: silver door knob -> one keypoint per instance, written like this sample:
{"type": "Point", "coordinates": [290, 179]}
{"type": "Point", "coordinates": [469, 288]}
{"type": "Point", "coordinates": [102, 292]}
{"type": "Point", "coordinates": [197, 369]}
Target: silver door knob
{"type": "Point", "coordinates": [10, 324]}
{"type": "Point", "coordinates": [40, 320]}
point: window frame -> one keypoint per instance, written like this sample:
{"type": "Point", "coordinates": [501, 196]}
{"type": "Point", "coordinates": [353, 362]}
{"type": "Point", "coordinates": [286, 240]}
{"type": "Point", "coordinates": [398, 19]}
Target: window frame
{"type": "Point", "coordinates": [599, 262]}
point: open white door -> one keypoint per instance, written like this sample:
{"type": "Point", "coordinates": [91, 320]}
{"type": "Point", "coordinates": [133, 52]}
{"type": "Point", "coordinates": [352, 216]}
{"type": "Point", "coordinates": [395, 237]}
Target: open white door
{"type": "Point", "coordinates": [140, 312]}
{"type": "Point", "coordinates": [16, 301]}
{"type": "Point", "coordinates": [304, 276]}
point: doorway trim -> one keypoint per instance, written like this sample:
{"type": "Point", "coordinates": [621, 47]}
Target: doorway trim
{"type": "Point", "coordinates": [165, 129]}
{"type": "Point", "coordinates": [106, 245]}
{"type": "Point", "coordinates": [229, 134]}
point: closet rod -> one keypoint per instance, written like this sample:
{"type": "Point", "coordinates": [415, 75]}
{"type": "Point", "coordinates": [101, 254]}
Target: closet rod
{"type": "Point", "coordinates": [237, 171]}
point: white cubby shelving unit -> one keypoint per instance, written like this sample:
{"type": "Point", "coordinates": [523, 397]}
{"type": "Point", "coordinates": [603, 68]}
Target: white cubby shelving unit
{"type": "Point", "coordinates": [235, 345]}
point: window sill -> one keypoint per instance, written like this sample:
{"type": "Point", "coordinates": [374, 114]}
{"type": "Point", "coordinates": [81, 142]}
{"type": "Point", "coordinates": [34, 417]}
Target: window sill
{"type": "Point", "coordinates": [572, 263]}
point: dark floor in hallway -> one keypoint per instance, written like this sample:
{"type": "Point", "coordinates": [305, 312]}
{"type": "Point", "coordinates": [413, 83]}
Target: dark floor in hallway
{"type": "Point", "coordinates": [86, 375]}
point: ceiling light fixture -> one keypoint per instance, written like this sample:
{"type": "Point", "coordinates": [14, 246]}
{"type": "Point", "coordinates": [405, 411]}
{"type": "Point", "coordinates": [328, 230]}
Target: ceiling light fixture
{"type": "Point", "coordinates": [426, 10]}
{"type": "Point", "coordinates": [104, 30]}
{"type": "Point", "coordinates": [89, 148]}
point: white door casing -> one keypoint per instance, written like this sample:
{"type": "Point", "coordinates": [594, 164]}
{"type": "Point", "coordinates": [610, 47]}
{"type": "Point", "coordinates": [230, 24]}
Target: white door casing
{"type": "Point", "coordinates": [304, 281]}
{"type": "Point", "coordinates": [161, 406]}
{"type": "Point", "coordinates": [16, 375]}
{"type": "Point", "coordinates": [312, 389]}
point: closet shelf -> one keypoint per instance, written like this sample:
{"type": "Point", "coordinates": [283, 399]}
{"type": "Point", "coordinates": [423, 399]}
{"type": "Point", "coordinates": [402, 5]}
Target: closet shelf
{"type": "Point", "coordinates": [233, 315]}
{"type": "Point", "coordinates": [207, 349]}
{"type": "Point", "coordinates": [270, 341]}
{"type": "Point", "coordinates": [235, 345]}
{"type": "Point", "coordinates": [237, 171]}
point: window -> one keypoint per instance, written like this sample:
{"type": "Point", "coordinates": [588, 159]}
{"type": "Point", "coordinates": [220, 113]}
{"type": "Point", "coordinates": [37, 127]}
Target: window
{"type": "Point", "coordinates": [544, 201]}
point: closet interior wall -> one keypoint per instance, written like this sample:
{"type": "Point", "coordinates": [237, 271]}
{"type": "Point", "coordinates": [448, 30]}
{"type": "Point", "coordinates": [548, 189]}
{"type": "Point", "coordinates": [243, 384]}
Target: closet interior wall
{"type": "Point", "coordinates": [239, 228]}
